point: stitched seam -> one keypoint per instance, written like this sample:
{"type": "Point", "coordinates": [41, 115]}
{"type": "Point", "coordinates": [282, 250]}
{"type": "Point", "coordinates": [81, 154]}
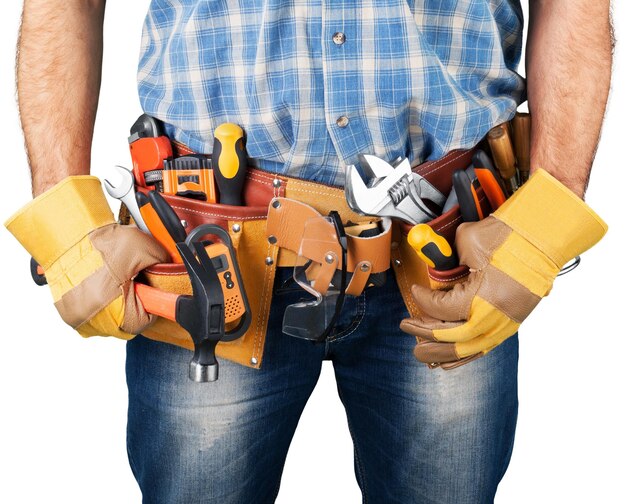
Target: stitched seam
{"type": "Point", "coordinates": [449, 224]}
{"type": "Point", "coordinates": [407, 287]}
{"type": "Point", "coordinates": [444, 280]}
{"type": "Point", "coordinates": [439, 167]}
{"type": "Point", "coordinates": [355, 323]}
{"type": "Point", "coordinates": [264, 303]}
{"type": "Point", "coordinates": [357, 459]}
{"type": "Point", "coordinates": [222, 216]}
{"type": "Point", "coordinates": [181, 273]}
{"type": "Point", "coordinates": [321, 193]}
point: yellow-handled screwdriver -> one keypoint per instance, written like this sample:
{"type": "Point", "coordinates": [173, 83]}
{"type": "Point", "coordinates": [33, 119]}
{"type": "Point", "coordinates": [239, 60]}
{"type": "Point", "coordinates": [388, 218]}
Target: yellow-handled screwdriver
{"type": "Point", "coordinates": [432, 248]}
{"type": "Point", "coordinates": [229, 161]}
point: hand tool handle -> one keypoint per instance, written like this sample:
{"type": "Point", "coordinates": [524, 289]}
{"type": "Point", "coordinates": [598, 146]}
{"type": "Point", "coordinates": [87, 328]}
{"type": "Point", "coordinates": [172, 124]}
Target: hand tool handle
{"type": "Point", "coordinates": [521, 142]}
{"type": "Point", "coordinates": [168, 216]}
{"type": "Point", "coordinates": [491, 188]}
{"type": "Point", "coordinates": [432, 248]}
{"type": "Point", "coordinates": [229, 161]}
{"type": "Point", "coordinates": [503, 156]}
{"type": "Point", "coordinates": [156, 226]}
{"type": "Point", "coordinates": [145, 127]}
{"type": "Point", "coordinates": [469, 205]}
{"type": "Point", "coordinates": [156, 301]}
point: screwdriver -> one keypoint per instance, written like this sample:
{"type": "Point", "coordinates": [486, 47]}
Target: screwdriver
{"type": "Point", "coordinates": [229, 161]}
{"type": "Point", "coordinates": [432, 248]}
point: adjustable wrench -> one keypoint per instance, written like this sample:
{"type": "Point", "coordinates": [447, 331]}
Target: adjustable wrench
{"type": "Point", "coordinates": [393, 190]}
{"type": "Point", "coordinates": [125, 192]}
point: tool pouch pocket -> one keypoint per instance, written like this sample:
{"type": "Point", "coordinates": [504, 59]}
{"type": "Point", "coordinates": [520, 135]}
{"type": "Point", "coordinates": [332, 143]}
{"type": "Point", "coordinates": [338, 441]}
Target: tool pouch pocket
{"type": "Point", "coordinates": [408, 267]}
{"type": "Point", "coordinates": [257, 262]}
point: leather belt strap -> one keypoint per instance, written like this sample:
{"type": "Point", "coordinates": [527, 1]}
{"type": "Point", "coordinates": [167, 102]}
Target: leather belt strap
{"type": "Point", "coordinates": [285, 226]}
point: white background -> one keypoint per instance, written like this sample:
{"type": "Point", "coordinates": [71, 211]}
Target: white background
{"type": "Point", "coordinates": [63, 399]}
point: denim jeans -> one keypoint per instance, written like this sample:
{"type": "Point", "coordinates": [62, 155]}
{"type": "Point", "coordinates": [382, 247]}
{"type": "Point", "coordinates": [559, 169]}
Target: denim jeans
{"type": "Point", "coordinates": [420, 435]}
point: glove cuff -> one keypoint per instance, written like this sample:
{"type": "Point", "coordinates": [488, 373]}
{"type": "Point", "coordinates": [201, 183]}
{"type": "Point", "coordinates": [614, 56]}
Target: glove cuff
{"type": "Point", "coordinates": [552, 218]}
{"type": "Point", "coordinates": [59, 218]}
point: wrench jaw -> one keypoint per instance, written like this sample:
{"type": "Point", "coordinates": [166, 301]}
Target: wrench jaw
{"type": "Point", "coordinates": [122, 189]}
{"type": "Point", "coordinates": [394, 191]}
{"type": "Point", "coordinates": [125, 192]}
{"type": "Point", "coordinates": [429, 192]}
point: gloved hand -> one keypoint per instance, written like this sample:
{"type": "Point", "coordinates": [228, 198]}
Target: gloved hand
{"type": "Point", "coordinates": [89, 260]}
{"type": "Point", "coordinates": [514, 256]}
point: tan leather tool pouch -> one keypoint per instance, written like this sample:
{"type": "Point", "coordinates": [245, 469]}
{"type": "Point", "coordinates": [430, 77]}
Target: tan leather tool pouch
{"type": "Point", "coordinates": [259, 255]}
{"type": "Point", "coordinates": [257, 263]}
{"type": "Point", "coordinates": [366, 255]}
{"type": "Point", "coordinates": [408, 267]}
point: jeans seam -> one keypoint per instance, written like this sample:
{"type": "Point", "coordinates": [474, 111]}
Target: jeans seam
{"type": "Point", "coordinates": [357, 459]}
{"type": "Point", "coordinates": [356, 322]}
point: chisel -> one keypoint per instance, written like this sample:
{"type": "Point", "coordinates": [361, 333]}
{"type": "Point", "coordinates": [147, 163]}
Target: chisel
{"type": "Point", "coordinates": [503, 156]}
{"type": "Point", "coordinates": [432, 248]}
{"type": "Point", "coordinates": [521, 142]}
{"type": "Point", "coordinates": [229, 161]}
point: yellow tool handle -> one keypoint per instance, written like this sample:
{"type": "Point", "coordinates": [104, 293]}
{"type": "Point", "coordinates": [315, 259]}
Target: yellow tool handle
{"type": "Point", "coordinates": [432, 248]}
{"type": "Point", "coordinates": [229, 161]}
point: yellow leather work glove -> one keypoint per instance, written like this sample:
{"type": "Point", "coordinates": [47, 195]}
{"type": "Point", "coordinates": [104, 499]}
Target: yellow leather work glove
{"type": "Point", "coordinates": [89, 260]}
{"type": "Point", "coordinates": [514, 255]}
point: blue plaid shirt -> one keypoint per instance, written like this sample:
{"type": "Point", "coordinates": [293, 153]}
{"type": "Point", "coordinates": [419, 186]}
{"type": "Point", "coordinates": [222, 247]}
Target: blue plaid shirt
{"type": "Point", "coordinates": [314, 83]}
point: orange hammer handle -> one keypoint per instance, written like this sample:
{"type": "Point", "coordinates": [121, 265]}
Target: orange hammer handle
{"type": "Point", "coordinates": [157, 302]}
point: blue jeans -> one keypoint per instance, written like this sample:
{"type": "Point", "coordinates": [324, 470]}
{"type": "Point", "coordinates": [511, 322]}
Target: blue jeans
{"type": "Point", "coordinates": [420, 435]}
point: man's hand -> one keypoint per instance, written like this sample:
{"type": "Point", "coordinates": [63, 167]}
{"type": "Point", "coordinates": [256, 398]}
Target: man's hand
{"type": "Point", "coordinates": [58, 81]}
{"type": "Point", "coordinates": [89, 260]}
{"type": "Point", "coordinates": [515, 254]}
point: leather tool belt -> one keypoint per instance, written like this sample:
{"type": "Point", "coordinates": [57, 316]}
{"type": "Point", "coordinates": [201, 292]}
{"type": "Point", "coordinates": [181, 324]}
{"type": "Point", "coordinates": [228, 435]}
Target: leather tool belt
{"type": "Point", "coordinates": [266, 232]}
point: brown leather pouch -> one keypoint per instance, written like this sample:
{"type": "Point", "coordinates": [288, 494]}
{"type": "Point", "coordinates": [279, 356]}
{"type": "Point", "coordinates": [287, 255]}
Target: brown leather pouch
{"type": "Point", "coordinates": [408, 267]}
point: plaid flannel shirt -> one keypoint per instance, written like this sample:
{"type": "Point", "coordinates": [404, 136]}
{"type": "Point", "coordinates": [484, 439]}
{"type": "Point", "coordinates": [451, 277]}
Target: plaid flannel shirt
{"type": "Point", "coordinates": [314, 83]}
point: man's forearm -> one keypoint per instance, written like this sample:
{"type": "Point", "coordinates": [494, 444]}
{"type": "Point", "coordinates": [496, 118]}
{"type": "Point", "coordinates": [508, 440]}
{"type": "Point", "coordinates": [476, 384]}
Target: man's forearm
{"type": "Point", "coordinates": [568, 65]}
{"type": "Point", "coordinates": [58, 80]}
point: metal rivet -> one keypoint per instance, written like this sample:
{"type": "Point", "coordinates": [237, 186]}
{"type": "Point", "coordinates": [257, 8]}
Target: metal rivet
{"type": "Point", "coordinates": [184, 223]}
{"type": "Point", "coordinates": [236, 228]}
{"type": "Point", "coordinates": [276, 204]}
{"type": "Point", "coordinates": [394, 245]}
{"type": "Point", "coordinates": [397, 262]}
{"type": "Point", "coordinates": [272, 239]}
{"type": "Point", "coordinates": [269, 261]}
{"type": "Point", "coordinates": [329, 258]}
{"type": "Point", "coordinates": [365, 267]}
{"type": "Point", "coordinates": [339, 38]}
{"type": "Point", "coordinates": [276, 182]}
{"type": "Point", "coordinates": [342, 121]}
{"type": "Point", "coordinates": [254, 361]}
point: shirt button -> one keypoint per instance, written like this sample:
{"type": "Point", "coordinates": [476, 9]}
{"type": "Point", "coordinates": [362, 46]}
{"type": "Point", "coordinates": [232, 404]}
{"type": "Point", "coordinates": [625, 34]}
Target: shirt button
{"type": "Point", "coordinates": [339, 38]}
{"type": "Point", "coordinates": [342, 121]}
